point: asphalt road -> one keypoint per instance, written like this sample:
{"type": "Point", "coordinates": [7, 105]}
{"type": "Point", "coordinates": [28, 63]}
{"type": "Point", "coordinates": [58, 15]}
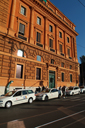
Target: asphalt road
{"type": "Point", "coordinates": [56, 113]}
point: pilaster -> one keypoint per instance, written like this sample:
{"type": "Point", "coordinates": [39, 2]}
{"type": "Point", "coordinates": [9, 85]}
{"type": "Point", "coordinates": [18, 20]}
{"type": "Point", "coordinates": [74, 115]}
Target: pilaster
{"type": "Point", "coordinates": [32, 26]}
{"type": "Point", "coordinates": [56, 39]}
{"type": "Point", "coordinates": [65, 39]}
{"type": "Point", "coordinates": [11, 27]}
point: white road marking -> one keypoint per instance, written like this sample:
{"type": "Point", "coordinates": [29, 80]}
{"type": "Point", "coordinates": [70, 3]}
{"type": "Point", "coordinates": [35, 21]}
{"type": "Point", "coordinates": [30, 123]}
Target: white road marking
{"type": "Point", "coordinates": [73, 122]}
{"type": "Point", "coordinates": [44, 113]}
{"type": "Point", "coordinates": [15, 124]}
{"type": "Point", "coordinates": [60, 119]}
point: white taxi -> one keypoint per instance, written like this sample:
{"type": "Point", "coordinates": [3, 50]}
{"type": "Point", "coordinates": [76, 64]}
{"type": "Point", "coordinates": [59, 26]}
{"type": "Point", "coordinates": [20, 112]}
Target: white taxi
{"type": "Point", "coordinates": [82, 89]}
{"type": "Point", "coordinates": [48, 94]}
{"type": "Point", "coordinates": [72, 90]}
{"type": "Point", "coordinates": [17, 97]}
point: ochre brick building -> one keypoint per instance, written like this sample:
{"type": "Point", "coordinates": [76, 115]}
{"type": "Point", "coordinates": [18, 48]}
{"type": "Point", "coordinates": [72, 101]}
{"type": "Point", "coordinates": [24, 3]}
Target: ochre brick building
{"type": "Point", "coordinates": [37, 43]}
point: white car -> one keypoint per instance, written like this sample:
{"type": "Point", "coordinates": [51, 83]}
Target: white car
{"type": "Point", "coordinates": [72, 90]}
{"type": "Point", "coordinates": [48, 94]}
{"type": "Point", "coordinates": [17, 97]}
{"type": "Point", "coordinates": [82, 89]}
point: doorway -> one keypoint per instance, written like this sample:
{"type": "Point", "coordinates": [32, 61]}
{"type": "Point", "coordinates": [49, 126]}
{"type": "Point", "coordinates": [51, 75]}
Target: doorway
{"type": "Point", "coordinates": [51, 79]}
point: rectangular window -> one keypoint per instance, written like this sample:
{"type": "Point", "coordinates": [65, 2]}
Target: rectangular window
{"type": "Point", "coordinates": [50, 28]}
{"type": "Point", "coordinates": [60, 47]}
{"type": "Point", "coordinates": [51, 43]}
{"type": "Point", "coordinates": [21, 29]}
{"type": "Point", "coordinates": [38, 37]}
{"type": "Point", "coordinates": [23, 10]}
{"type": "Point", "coordinates": [38, 73]}
{"type": "Point", "coordinates": [68, 52]}
{"type": "Point", "coordinates": [68, 39]}
{"type": "Point", "coordinates": [70, 77]}
{"type": "Point", "coordinates": [19, 71]}
{"type": "Point", "coordinates": [38, 20]}
{"type": "Point", "coordinates": [62, 77]}
{"type": "Point", "coordinates": [60, 34]}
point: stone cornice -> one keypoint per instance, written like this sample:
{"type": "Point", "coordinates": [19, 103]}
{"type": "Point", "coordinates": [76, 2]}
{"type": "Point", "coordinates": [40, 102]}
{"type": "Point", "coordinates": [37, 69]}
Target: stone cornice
{"type": "Point", "coordinates": [47, 11]}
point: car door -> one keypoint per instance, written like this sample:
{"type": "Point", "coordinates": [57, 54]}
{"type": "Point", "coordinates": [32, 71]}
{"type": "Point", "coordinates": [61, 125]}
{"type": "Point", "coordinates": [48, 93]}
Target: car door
{"type": "Point", "coordinates": [17, 98]}
{"type": "Point", "coordinates": [24, 96]}
{"type": "Point", "coordinates": [54, 93]}
{"type": "Point", "coordinates": [75, 90]}
{"type": "Point", "coordinates": [31, 94]}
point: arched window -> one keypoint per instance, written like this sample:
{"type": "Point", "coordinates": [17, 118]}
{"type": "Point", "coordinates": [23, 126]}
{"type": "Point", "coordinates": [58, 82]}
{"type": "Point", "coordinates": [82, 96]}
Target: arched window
{"type": "Point", "coordinates": [38, 58]}
{"type": "Point", "coordinates": [52, 61]}
{"type": "Point", "coordinates": [20, 53]}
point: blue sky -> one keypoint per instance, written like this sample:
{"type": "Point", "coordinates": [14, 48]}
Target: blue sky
{"type": "Point", "coordinates": [75, 12]}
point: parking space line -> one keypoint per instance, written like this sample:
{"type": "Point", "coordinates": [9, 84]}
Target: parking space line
{"type": "Point", "coordinates": [44, 113]}
{"type": "Point", "coordinates": [73, 122]}
{"type": "Point", "coordinates": [60, 119]}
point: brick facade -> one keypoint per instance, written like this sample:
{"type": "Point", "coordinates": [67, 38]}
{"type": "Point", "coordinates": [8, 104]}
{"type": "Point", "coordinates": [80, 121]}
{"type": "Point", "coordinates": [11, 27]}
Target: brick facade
{"type": "Point", "coordinates": [11, 41]}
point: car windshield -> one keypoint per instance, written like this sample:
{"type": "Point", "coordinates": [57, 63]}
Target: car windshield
{"type": "Point", "coordinates": [70, 88]}
{"type": "Point", "coordinates": [10, 93]}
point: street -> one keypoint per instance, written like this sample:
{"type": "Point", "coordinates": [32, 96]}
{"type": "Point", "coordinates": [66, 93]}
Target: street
{"type": "Point", "coordinates": [56, 113]}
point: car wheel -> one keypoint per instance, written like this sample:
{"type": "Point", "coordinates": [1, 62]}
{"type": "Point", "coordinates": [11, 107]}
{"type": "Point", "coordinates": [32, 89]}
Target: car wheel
{"type": "Point", "coordinates": [46, 98]}
{"type": "Point", "coordinates": [30, 100]}
{"type": "Point", "coordinates": [8, 104]}
{"type": "Point", "coordinates": [72, 93]}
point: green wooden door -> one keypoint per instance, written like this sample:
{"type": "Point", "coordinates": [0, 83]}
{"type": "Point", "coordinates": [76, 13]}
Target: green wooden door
{"type": "Point", "coordinates": [51, 79]}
